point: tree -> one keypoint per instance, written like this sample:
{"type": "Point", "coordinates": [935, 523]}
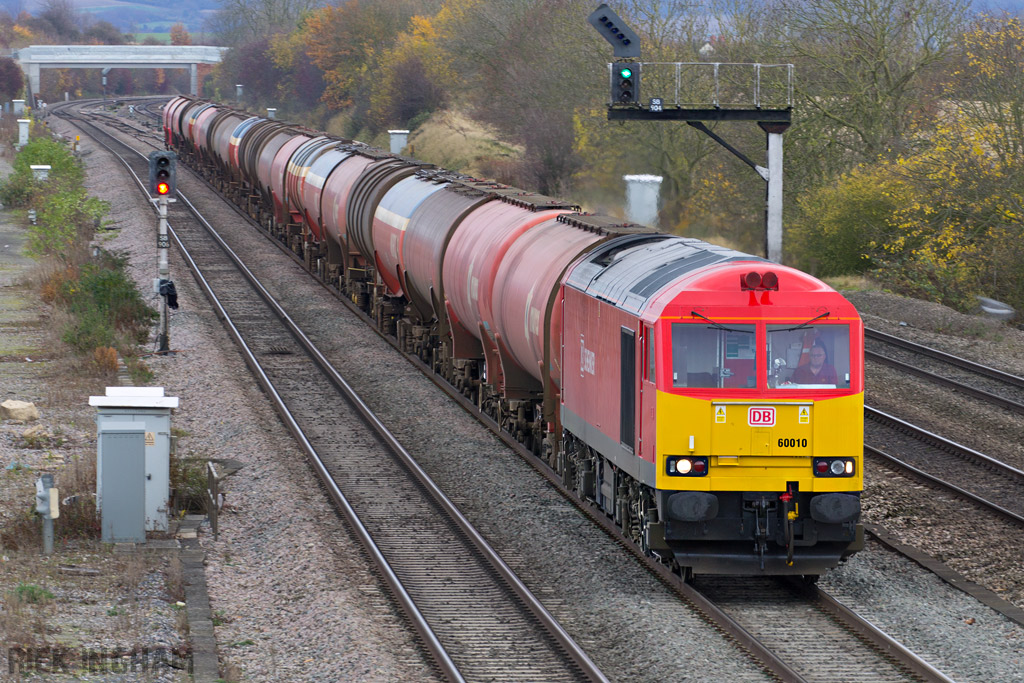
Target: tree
{"type": "Point", "coordinates": [302, 81]}
{"type": "Point", "coordinates": [60, 19]}
{"type": "Point", "coordinates": [841, 225]}
{"type": "Point", "coordinates": [104, 33]}
{"type": "Point", "coordinates": [346, 44]}
{"type": "Point", "coordinates": [411, 72]}
{"type": "Point", "coordinates": [251, 65]}
{"type": "Point", "coordinates": [180, 35]}
{"type": "Point", "coordinates": [988, 86]}
{"type": "Point", "coordinates": [865, 68]}
{"type": "Point", "coordinates": [12, 81]}
{"type": "Point", "coordinates": [244, 21]}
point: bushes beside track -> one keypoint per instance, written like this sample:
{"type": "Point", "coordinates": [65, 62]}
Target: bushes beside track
{"type": "Point", "coordinates": [102, 315]}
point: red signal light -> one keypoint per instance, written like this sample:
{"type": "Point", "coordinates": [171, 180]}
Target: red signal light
{"type": "Point", "coordinates": [162, 188]}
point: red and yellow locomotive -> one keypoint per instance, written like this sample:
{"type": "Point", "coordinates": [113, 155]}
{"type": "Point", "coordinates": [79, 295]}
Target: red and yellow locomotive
{"type": "Point", "coordinates": [693, 414]}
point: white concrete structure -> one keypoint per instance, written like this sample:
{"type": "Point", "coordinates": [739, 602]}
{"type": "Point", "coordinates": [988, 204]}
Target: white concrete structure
{"type": "Point", "coordinates": [642, 192]}
{"type": "Point", "coordinates": [36, 57]}
{"type": "Point", "coordinates": [399, 138]}
{"type": "Point", "coordinates": [23, 125]}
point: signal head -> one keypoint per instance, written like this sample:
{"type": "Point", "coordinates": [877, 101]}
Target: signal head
{"type": "Point", "coordinates": [162, 173]}
{"type": "Point", "coordinates": [625, 82]}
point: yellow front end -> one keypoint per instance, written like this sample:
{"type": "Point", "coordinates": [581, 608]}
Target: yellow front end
{"type": "Point", "coordinates": [742, 457]}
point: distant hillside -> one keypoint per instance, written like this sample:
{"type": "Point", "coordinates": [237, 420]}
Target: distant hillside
{"type": "Point", "coordinates": [135, 16]}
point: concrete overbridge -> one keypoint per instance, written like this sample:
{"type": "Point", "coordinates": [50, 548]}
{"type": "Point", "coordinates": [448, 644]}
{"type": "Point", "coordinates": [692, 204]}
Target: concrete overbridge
{"type": "Point", "coordinates": [37, 57]}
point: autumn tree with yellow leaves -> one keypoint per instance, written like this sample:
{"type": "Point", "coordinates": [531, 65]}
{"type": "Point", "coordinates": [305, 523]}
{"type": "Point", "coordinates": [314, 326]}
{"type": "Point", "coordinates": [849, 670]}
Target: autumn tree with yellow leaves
{"type": "Point", "coordinates": [944, 223]}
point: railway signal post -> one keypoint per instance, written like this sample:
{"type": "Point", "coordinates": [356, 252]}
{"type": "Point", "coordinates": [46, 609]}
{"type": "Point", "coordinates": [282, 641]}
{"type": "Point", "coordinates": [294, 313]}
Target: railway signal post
{"type": "Point", "coordinates": [713, 86]}
{"type": "Point", "coordinates": [162, 184]}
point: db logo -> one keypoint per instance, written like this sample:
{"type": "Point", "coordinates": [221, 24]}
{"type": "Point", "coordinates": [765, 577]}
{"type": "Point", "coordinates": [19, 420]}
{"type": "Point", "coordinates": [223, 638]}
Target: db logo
{"type": "Point", "coordinates": [761, 417]}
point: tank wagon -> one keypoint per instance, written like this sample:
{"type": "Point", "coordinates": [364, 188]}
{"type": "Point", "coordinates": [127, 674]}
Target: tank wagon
{"type": "Point", "coordinates": [707, 400]}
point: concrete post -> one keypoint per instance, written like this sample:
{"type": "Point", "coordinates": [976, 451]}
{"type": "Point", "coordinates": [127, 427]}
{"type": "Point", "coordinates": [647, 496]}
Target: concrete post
{"type": "Point", "coordinates": [33, 80]}
{"type": "Point", "coordinates": [773, 200]}
{"type": "Point", "coordinates": [238, 91]}
{"type": "Point", "coordinates": [399, 138]}
{"type": "Point", "coordinates": [271, 112]}
{"type": "Point", "coordinates": [19, 106]}
{"type": "Point", "coordinates": [40, 172]}
{"type": "Point", "coordinates": [642, 193]}
{"type": "Point", "coordinates": [163, 270]}
{"type": "Point", "coordinates": [45, 507]}
{"type": "Point", "coordinates": [23, 132]}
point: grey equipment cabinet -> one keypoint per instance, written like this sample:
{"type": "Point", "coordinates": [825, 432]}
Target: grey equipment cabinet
{"type": "Point", "coordinates": [147, 408]}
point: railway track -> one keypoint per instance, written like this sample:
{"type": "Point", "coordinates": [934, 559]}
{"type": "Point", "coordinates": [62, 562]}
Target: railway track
{"type": "Point", "coordinates": [993, 484]}
{"type": "Point", "coordinates": [475, 617]}
{"type": "Point", "coordinates": [754, 635]}
{"type": "Point", "coordinates": [959, 374]}
{"type": "Point", "coordinates": [988, 482]}
{"type": "Point", "coordinates": [815, 634]}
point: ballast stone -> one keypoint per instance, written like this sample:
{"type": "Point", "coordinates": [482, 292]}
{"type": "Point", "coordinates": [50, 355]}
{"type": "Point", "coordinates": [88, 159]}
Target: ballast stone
{"type": "Point", "coordinates": [22, 411]}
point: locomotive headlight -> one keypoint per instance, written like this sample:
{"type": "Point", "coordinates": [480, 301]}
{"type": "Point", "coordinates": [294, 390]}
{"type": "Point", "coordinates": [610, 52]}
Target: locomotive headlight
{"type": "Point", "coordinates": [838, 467]}
{"type": "Point", "coordinates": [849, 467]}
{"type": "Point", "coordinates": [683, 466]}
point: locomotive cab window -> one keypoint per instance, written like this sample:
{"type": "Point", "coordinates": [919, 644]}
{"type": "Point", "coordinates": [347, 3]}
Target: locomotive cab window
{"type": "Point", "coordinates": [704, 356]}
{"type": "Point", "coordinates": [809, 357]}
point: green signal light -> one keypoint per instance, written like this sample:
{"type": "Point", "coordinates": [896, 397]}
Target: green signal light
{"type": "Point", "coordinates": [625, 72]}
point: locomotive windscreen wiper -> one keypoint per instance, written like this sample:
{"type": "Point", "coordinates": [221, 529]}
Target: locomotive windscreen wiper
{"type": "Point", "coordinates": [803, 325]}
{"type": "Point", "coordinates": [720, 326]}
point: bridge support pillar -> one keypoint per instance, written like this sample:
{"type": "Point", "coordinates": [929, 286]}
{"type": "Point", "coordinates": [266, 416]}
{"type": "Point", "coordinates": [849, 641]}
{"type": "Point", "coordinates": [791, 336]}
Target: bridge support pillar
{"type": "Point", "coordinates": [33, 84]}
{"type": "Point", "coordinates": [193, 72]}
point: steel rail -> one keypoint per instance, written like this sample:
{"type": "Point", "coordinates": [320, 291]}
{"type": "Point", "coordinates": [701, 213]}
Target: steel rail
{"type": "Point", "coordinates": [575, 652]}
{"type": "Point", "coordinates": [942, 442]}
{"type": "Point", "coordinates": [419, 622]}
{"type": "Point", "coordinates": [879, 638]}
{"type": "Point", "coordinates": [1015, 380]}
{"type": "Point", "coordinates": [547, 620]}
{"type": "Point", "coordinates": [942, 483]}
{"type": "Point", "coordinates": [394, 584]}
{"type": "Point", "coordinates": [946, 382]}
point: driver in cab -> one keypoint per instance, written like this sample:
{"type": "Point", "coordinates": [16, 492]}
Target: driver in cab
{"type": "Point", "coordinates": [817, 371]}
